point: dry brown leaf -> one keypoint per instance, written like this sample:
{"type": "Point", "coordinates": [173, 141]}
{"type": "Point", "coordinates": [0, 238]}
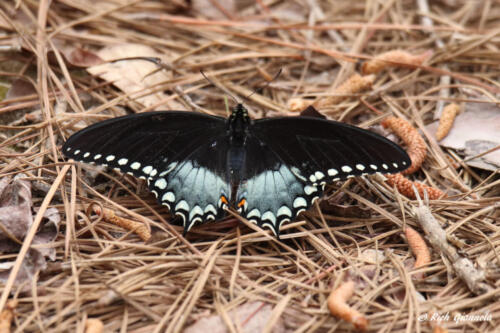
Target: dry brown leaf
{"type": "Point", "coordinates": [15, 208]}
{"type": "Point", "coordinates": [82, 58]}
{"type": "Point", "coordinates": [16, 218]}
{"type": "Point", "coordinates": [132, 76]}
{"type": "Point", "coordinates": [33, 262]}
{"type": "Point", "coordinates": [20, 88]}
{"type": "Point", "coordinates": [250, 317]}
{"type": "Point", "coordinates": [475, 131]}
{"type": "Point", "coordinates": [48, 233]}
{"type": "Point", "coordinates": [215, 10]}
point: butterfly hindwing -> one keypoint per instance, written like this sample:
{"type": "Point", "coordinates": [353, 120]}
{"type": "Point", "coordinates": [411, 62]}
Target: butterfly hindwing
{"type": "Point", "coordinates": [196, 189]}
{"type": "Point", "coordinates": [270, 192]}
{"type": "Point", "coordinates": [325, 151]}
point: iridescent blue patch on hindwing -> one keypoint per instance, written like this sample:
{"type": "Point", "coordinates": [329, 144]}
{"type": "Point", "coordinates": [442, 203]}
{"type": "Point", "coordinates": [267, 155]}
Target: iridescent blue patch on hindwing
{"type": "Point", "coordinates": [273, 197]}
{"type": "Point", "coordinates": [191, 192]}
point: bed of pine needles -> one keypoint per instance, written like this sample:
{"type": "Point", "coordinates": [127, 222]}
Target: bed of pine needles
{"type": "Point", "coordinates": [106, 278]}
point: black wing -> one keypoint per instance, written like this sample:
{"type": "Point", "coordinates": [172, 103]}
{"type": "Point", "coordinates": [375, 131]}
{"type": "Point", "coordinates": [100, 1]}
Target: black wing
{"type": "Point", "coordinates": [271, 192]}
{"type": "Point", "coordinates": [289, 160]}
{"type": "Point", "coordinates": [196, 188]}
{"type": "Point", "coordinates": [323, 150]}
{"type": "Point", "coordinates": [174, 151]}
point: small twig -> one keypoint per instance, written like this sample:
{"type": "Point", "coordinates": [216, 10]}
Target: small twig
{"type": "Point", "coordinates": [474, 278]}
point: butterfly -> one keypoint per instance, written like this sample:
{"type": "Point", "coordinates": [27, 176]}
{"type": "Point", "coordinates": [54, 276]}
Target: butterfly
{"type": "Point", "coordinates": [269, 170]}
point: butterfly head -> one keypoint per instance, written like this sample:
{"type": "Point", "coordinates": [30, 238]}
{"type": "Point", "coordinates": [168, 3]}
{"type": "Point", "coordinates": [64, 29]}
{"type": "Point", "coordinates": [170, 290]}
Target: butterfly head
{"type": "Point", "coordinates": [238, 123]}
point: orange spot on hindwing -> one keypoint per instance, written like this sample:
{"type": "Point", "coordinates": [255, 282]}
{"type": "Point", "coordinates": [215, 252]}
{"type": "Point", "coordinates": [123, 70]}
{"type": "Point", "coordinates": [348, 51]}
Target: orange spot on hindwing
{"type": "Point", "coordinates": [224, 200]}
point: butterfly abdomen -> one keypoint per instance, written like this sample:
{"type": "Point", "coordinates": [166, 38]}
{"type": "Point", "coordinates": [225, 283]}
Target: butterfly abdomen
{"type": "Point", "coordinates": [235, 163]}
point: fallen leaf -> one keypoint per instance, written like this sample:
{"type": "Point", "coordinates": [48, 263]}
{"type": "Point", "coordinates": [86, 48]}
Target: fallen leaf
{"type": "Point", "coordinates": [16, 219]}
{"type": "Point", "coordinates": [15, 209]}
{"type": "Point", "coordinates": [19, 18]}
{"type": "Point", "coordinates": [132, 76]}
{"type": "Point", "coordinates": [475, 131]}
{"type": "Point", "coordinates": [48, 233]}
{"type": "Point", "coordinates": [82, 58]}
{"type": "Point", "coordinates": [250, 317]}
{"type": "Point", "coordinates": [210, 10]}
{"type": "Point", "coordinates": [20, 88]}
{"type": "Point", "coordinates": [33, 262]}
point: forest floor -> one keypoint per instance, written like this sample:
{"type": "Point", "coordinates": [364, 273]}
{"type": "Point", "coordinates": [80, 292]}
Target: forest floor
{"type": "Point", "coordinates": [66, 267]}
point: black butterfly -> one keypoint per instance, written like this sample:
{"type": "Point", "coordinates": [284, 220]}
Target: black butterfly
{"type": "Point", "coordinates": [269, 170]}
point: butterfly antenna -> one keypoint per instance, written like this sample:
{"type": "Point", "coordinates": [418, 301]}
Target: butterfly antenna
{"type": "Point", "coordinates": [266, 85]}
{"type": "Point", "coordinates": [221, 87]}
{"type": "Point", "coordinates": [155, 60]}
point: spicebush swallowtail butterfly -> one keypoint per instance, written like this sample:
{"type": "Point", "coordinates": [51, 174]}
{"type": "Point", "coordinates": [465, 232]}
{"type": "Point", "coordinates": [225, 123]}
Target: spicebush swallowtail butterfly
{"type": "Point", "coordinates": [269, 169]}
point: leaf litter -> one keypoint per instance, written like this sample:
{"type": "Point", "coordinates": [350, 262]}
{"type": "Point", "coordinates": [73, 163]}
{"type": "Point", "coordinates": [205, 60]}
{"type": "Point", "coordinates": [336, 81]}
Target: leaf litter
{"type": "Point", "coordinates": [16, 218]}
{"type": "Point", "coordinates": [476, 135]}
{"type": "Point", "coordinates": [104, 274]}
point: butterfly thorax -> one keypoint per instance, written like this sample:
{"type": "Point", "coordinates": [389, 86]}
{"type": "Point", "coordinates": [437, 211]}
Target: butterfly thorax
{"type": "Point", "coordinates": [237, 125]}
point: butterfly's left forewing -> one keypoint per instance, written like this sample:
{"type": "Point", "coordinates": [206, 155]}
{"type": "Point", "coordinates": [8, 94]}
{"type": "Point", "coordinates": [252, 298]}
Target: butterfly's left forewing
{"type": "Point", "coordinates": [163, 148]}
{"type": "Point", "coordinates": [324, 151]}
